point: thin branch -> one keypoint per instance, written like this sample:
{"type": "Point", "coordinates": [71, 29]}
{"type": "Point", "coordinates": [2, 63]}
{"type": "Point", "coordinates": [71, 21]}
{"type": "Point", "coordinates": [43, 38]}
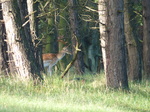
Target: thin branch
{"type": "Point", "coordinates": [25, 23]}
{"type": "Point", "coordinates": [41, 15]}
{"type": "Point", "coordinates": [91, 9]}
{"type": "Point", "coordinates": [30, 14]}
{"type": "Point", "coordinates": [73, 60]}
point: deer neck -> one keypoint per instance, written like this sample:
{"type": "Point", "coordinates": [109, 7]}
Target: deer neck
{"type": "Point", "coordinates": [60, 55]}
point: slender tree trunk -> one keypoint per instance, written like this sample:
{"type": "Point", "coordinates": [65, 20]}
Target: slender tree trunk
{"type": "Point", "coordinates": [1, 38]}
{"type": "Point", "coordinates": [132, 40]}
{"type": "Point", "coordinates": [24, 20]}
{"type": "Point", "coordinates": [50, 29]}
{"type": "Point", "coordinates": [102, 10]}
{"type": "Point", "coordinates": [146, 38]}
{"type": "Point", "coordinates": [1, 57]}
{"type": "Point", "coordinates": [116, 61]}
{"type": "Point", "coordinates": [3, 47]}
{"type": "Point", "coordinates": [31, 13]}
{"type": "Point", "coordinates": [79, 64]}
{"type": "Point", "coordinates": [63, 34]}
{"type": "Point", "coordinates": [32, 6]}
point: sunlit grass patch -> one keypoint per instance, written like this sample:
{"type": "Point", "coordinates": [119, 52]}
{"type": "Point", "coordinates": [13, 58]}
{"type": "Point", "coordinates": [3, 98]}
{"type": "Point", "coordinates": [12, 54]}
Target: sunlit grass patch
{"type": "Point", "coordinates": [74, 93]}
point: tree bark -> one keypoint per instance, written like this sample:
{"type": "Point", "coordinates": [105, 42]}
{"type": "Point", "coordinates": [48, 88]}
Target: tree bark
{"type": "Point", "coordinates": [32, 6]}
{"type": "Point", "coordinates": [79, 63]}
{"type": "Point", "coordinates": [115, 67]}
{"type": "Point", "coordinates": [49, 29]}
{"type": "Point", "coordinates": [3, 47]}
{"type": "Point", "coordinates": [146, 38]}
{"type": "Point", "coordinates": [63, 33]}
{"type": "Point", "coordinates": [132, 41]}
{"type": "Point", "coordinates": [31, 12]}
{"type": "Point", "coordinates": [102, 10]}
{"type": "Point", "coordinates": [13, 37]}
{"type": "Point", "coordinates": [1, 57]}
{"type": "Point", "coordinates": [1, 35]}
{"type": "Point", "coordinates": [19, 48]}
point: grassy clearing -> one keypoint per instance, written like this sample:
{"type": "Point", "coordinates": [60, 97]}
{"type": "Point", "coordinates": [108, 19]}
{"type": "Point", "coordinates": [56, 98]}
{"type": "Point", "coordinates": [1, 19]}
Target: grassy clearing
{"type": "Point", "coordinates": [87, 94]}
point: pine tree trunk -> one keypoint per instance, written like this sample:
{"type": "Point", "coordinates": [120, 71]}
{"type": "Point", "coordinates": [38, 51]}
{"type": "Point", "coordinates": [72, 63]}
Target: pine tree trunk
{"type": "Point", "coordinates": [1, 36]}
{"type": "Point", "coordinates": [13, 40]}
{"type": "Point", "coordinates": [132, 40]}
{"type": "Point", "coordinates": [102, 10]}
{"type": "Point", "coordinates": [79, 64]}
{"type": "Point", "coordinates": [3, 48]}
{"type": "Point", "coordinates": [20, 49]}
{"type": "Point", "coordinates": [32, 6]}
{"type": "Point", "coordinates": [116, 74]}
{"type": "Point", "coordinates": [146, 38]}
{"type": "Point", "coordinates": [50, 30]}
{"type": "Point", "coordinates": [1, 57]}
{"type": "Point", "coordinates": [63, 33]}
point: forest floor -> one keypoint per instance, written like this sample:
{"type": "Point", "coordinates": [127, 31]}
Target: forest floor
{"type": "Point", "coordinates": [85, 93]}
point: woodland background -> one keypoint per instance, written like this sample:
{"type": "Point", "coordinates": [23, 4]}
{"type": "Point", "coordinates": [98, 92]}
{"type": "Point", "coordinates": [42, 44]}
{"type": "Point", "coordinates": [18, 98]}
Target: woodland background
{"type": "Point", "coordinates": [111, 72]}
{"type": "Point", "coordinates": [113, 37]}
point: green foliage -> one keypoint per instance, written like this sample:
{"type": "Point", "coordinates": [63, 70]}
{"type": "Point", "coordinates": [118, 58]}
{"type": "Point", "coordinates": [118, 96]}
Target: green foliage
{"type": "Point", "coordinates": [73, 94]}
{"type": "Point", "coordinates": [138, 11]}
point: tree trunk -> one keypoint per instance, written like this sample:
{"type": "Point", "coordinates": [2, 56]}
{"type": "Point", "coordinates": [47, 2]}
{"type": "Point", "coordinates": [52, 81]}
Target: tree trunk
{"type": "Point", "coordinates": [21, 54]}
{"type": "Point", "coordinates": [79, 64]}
{"type": "Point", "coordinates": [115, 63]}
{"type": "Point", "coordinates": [146, 38]}
{"type": "Point", "coordinates": [31, 13]}
{"type": "Point", "coordinates": [49, 29]}
{"type": "Point", "coordinates": [32, 6]}
{"type": "Point", "coordinates": [63, 34]}
{"type": "Point", "coordinates": [3, 47]}
{"type": "Point", "coordinates": [132, 40]}
{"type": "Point", "coordinates": [102, 10]}
{"type": "Point", "coordinates": [13, 40]}
{"type": "Point", "coordinates": [1, 57]}
{"type": "Point", "coordinates": [1, 38]}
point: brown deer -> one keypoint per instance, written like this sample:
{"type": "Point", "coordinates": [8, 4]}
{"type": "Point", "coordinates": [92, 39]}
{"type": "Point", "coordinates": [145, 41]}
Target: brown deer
{"type": "Point", "coordinates": [51, 59]}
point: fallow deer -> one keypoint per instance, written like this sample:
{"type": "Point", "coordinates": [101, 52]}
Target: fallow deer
{"type": "Point", "coordinates": [51, 59]}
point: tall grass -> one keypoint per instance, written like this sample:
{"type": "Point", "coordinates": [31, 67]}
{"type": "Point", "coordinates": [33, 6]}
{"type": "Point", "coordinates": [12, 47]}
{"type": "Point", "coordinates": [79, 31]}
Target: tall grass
{"type": "Point", "coordinates": [72, 94]}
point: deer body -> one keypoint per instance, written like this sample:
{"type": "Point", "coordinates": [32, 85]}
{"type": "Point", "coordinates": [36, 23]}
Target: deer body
{"type": "Point", "coordinates": [51, 59]}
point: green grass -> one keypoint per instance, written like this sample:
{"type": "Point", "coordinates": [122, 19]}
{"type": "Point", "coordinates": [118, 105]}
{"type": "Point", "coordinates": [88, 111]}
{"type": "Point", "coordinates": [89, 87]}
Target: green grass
{"type": "Point", "coordinates": [70, 95]}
